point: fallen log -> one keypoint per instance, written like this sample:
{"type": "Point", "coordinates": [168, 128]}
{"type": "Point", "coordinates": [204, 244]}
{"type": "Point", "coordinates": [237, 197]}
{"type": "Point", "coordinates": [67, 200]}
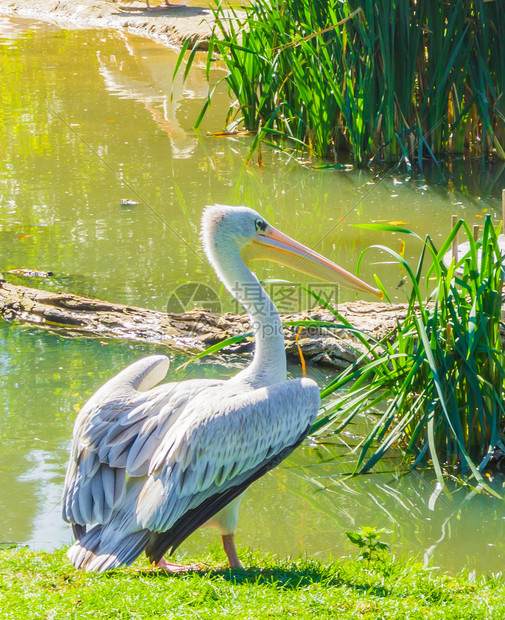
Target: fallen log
{"type": "Point", "coordinates": [191, 332]}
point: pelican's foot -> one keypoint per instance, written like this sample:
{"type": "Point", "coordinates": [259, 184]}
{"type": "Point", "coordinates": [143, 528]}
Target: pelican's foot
{"type": "Point", "coordinates": [172, 568]}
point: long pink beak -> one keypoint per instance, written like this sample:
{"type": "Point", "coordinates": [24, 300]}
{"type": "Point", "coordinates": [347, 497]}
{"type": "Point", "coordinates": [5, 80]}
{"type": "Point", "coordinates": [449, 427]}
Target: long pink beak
{"type": "Point", "coordinates": [272, 244]}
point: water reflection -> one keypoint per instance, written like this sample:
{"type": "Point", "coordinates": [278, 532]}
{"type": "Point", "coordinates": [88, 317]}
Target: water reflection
{"type": "Point", "coordinates": [307, 507]}
{"type": "Point", "coordinates": [60, 211]}
{"type": "Point", "coordinates": [451, 530]}
{"type": "Point", "coordinates": [148, 80]}
{"type": "Point", "coordinates": [472, 176]}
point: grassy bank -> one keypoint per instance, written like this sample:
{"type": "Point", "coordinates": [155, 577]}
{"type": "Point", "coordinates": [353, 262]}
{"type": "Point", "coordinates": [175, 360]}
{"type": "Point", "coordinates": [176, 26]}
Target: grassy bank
{"type": "Point", "coordinates": [43, 585]}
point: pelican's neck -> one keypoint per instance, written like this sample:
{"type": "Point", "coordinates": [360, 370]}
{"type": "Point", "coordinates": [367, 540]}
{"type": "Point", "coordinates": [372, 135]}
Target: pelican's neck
{"type": "Point", "coordinates": [269, 362]}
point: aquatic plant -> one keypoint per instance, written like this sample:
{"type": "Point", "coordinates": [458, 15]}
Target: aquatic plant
{"type": "Point", "coordinates": [384, 80]}
{"type": "Point", "coordinates": [433, 390]}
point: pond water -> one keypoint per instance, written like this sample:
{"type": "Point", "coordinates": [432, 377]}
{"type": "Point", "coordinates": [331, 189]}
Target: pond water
{"type": "Point", "coordinates": [89, 119]}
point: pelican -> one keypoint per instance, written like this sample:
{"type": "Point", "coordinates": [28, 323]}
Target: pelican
{"type": "Point", "coordinates": [149, 465]}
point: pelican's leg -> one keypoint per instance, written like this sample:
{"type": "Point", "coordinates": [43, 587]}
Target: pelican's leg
{"type": "Point", "coordinates": [170, 567]}
{"type": "Point", "coordinates": [231, 550]}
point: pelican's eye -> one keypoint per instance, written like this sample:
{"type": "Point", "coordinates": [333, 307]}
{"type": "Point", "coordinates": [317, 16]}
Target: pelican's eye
{"type": "Point", "coordinates": [261, 225]}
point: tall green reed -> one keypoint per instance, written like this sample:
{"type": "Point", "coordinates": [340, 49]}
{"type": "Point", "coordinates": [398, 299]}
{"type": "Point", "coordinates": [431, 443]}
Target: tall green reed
{"type": "Point", "coordinates": [385, 80]}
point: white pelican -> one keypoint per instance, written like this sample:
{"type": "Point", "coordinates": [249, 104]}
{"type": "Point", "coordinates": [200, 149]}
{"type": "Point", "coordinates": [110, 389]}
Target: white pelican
{"type": "Point", "coordinates": [149, 465]}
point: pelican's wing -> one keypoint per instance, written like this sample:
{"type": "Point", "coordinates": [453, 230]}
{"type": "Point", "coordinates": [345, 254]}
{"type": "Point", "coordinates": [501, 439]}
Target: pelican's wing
{"type": "Point", "coordinates": [116, 433]}
{"type": "Point", "coordinates": [226, 435]}
{"type": "Point", "coordinates": [220, 446]}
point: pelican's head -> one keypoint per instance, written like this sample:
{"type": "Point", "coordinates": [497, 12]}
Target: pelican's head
{"type": "Point", "coordinates": [228, 229]}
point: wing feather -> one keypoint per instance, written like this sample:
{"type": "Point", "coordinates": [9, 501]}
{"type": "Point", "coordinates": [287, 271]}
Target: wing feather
{"type": "Point", "coordinates": [160, 543]}
{"type": "Point", "coordinates": [234, 431]}
{"type": "Point", "coordinates": [116, 433]}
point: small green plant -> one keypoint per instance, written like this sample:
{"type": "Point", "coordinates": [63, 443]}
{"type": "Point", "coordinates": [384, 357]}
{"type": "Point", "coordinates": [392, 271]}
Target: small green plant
{"type": "Point", "coordinates": [368, 540]}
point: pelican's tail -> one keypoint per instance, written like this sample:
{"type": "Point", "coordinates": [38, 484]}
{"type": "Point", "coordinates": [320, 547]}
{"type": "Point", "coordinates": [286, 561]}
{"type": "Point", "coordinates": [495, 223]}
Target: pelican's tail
{"type": "Point", "coordinates": [92, 553]}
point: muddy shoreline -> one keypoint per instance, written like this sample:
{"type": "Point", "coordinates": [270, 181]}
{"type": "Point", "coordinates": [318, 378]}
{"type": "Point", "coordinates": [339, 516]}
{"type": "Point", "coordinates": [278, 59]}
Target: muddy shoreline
{"type": "Point", "coordinates": [171, 27]}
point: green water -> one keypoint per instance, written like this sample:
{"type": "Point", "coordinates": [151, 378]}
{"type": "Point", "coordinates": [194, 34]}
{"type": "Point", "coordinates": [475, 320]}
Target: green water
{"type": "Point", "coordinates": [87, 119]}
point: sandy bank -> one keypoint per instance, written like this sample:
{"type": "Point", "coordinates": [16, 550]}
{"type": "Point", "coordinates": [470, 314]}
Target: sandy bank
{"type": "Point", "coordinates": [170, 27]}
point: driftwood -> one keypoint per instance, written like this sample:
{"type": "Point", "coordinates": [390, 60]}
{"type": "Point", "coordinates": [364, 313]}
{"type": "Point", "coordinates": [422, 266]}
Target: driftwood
{"type": "Point", "coordinates": [191, 332]}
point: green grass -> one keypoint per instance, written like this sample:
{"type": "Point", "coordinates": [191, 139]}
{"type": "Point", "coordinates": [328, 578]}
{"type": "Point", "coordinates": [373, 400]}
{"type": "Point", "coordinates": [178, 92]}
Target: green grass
{"type": "Point", "coordinates": [41, 585]}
